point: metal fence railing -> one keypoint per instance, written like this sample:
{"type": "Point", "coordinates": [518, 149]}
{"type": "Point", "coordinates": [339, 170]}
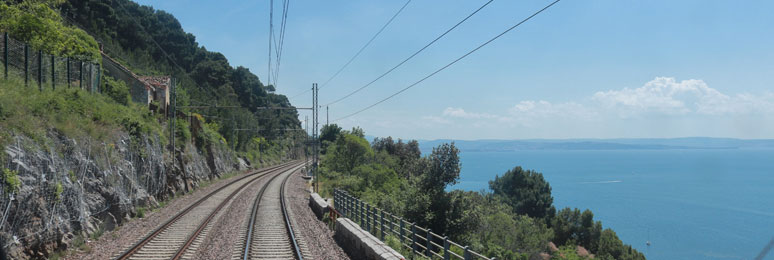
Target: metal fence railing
{"type": "Point", "coordinates": [18, 58]}
{"type": "Point", "coordinates": [414, 238]}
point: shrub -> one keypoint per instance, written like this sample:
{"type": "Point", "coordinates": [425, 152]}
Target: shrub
{"type": "Point", "coordinates": [39, 24]}
{"type": "Point", "coordinates": [116, 89]}
{"type": "Point", "coordinates": [58, 189]}
{"type": "Point", "coordinates": [12, 182]}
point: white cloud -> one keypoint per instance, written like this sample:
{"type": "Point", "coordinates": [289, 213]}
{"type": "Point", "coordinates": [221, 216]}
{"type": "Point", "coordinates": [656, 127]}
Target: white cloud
{"type": "Point", "coordinates": [667, 96]}
{"type": "Point", "coordinates": [461, 113]}
{"type": "Point", "coordinates": [662, 96]}
{"type": "Point", "coordinates": [436, 119]}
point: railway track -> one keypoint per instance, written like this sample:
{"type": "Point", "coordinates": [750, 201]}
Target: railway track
{"type": "Point", "coordinates": [270, 233]}
{"type": "Point", "coordinates": [180, 236]}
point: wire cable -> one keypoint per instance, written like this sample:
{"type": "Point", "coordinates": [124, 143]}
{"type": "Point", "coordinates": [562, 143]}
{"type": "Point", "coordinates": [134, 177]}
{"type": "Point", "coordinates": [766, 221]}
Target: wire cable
{"type": "Point", "coordinates": [410, 57]}
{"type": "Point", "coordinates": [283, 26]}
{"type": "Point", "coordinates": [271, 38]}
{"type": "Point", "coordinates": [450, 64]}
{"type": "Point", "coordinates": [366, 45]}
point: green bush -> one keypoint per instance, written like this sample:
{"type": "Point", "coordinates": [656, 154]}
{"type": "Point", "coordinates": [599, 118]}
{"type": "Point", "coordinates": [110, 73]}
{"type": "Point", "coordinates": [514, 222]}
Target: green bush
{"type": "Point", "coordinates": [42, 27]}
{"type": "Point", "coordinates": [116, 89]}
{"type": "Point", "coordinates": [58, 189]}
{"type": "Point", "coordinates": [141, 212]}
{"type": "Point", "coordinates": [12, 181]}
{"type": "Point", "coordinates": [70, 111]}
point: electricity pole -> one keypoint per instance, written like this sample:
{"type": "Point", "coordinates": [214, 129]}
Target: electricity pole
{"type": "Point", "coordinates": [306, 145]}
{"type": "Point", "coordinates": [326, 115]}
{"type": "Point", "coordinates": [315, 120]}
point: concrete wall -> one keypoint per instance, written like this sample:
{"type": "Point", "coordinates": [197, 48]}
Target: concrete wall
{"type": "Point", "coordinates": [318, 204]}
{"type": "Point", "coordinates": [360, 244]}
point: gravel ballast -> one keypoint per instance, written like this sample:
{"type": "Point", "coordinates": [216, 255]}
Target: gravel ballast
{"type": "Point", "coordinates": [111, 243]}
{"type": "Point", "coordinates": [224, 235]}
{"type": "Point", "coordinates": [317, 235]}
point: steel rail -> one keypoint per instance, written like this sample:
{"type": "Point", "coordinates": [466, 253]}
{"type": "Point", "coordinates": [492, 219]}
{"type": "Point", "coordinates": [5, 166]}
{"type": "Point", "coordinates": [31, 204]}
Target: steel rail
{"type": "Point", "coordinates": [289, 226]}
{"type": "Point", "coordinates": [144, 241]}
{"type": "Point", "coordinates": [250, 236]}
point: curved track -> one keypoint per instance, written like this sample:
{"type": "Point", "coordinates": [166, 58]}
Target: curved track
{"type": "Point", "coordinates": [179, 237]}
{"type": "Point", "coordinates": [269, 233]}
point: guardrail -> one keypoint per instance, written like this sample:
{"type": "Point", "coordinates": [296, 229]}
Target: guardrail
{"type": "Point", "coordinates": [417, 239]}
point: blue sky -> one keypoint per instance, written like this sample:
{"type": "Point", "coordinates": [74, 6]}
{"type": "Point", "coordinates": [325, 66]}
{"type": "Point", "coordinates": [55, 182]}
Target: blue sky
{"type": "Point", "coordinates": [582, 69]}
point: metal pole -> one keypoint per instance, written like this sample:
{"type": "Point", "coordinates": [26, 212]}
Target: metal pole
{"type": "Point", "coordinates": [174, 119]}
{"type": "Point", "coordinates": [429, 250]}
{"type": "Point", "coordinates": [414, 238]}
{"type": "Point", "coordinates": [381, 234]}
{"type": "Point", "coordinates": [368, 217]}
{"type": "Point", "coordinates": [362, 213]}
{"type": "Point", "coordinates": [80, 76]}
{"type": "Point", "coordinates": [466, 255]}
{"type": "Point", "coordinates": [53, 71]}
{"type": "Point", "coordinates": [67, 76]}
{"type": "Point", "coordinates": [317, 137]}
{"type": "Point", "coordinates": [26, 64]}
{"type": "Point", "coordinates": [5, 54]}
{"type": "Point", "coordinates": [99, 79]}
{"type": "Point", "coordinates": [402, 232]}
{"type": "Point", "coordinates": [326, 116]}
{"type": "Point", "coordinates": [40, 70]}
{"type": "Point", "coordinates": [445, 248]}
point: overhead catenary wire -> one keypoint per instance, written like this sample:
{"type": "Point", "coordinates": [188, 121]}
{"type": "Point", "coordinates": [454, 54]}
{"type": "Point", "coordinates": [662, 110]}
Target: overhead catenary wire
{"type": "Point", "coordinates": [451, 63]}
{"type": "Point", "coordinates": [358, 52]}
{"type": "Point", "coordinates": [412, 55]}
{"type": "Point", "coordinates": [281, 42]}
{"type": "Point", "coordinates": [367, 44]}
{"type": "Point", "coordinates": [271, 38]}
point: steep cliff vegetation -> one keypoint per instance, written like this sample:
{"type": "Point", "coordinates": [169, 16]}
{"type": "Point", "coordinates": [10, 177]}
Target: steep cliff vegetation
{"type": "Point", "coordinates": [516, 220]}
{"type": "Point", "coordinates": [76, 163]}
{"type": "Point", "coordinates": [152, 42]}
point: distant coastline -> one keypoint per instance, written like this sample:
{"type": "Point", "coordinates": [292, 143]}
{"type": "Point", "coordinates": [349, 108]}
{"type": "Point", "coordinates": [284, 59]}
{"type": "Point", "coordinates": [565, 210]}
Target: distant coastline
{"type": "Point", "coordinates": [602, 144]}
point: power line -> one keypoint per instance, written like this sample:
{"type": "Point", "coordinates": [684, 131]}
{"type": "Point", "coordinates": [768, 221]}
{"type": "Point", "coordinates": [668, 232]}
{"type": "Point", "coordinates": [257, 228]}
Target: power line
{"type": "Point", "coordinates": [271, 38]}
{"type": "Point", "coordinates": [366, 45]}
{"type": "Point", "coordinates": [283, 25]}
{"type": "Point", "coordinates": [412, 55]}
{"type": "Point", "coordinates": [451, 63]}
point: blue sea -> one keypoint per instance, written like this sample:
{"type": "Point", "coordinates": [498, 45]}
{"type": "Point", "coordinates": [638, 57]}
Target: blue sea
{"type": "Point", "coordinates": [689, 203]}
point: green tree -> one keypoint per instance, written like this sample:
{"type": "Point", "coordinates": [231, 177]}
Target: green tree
{"type": "Point", "coordinates": [611, 247]}
{"type": "Point", "coordinates": [357, 131]}
{"type": "Point", "coordinates": [328, 135]}
{"type": "Point", "coordinates": [41, 26]}
{"type": "Point", "coordinates": [573, 227]}
{"type": "Point", "coordinates": [116, 89]}
{"type": "Point", "coordinates": [526, 191]}
{"type": "Point", "coordinates": [349, 151]}
{"type": "Point", "coordinates": [443, 168]}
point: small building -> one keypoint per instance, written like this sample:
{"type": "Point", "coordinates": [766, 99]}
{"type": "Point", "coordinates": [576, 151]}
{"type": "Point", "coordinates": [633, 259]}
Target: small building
{"type": "Point", "coordinates": [157, 88]}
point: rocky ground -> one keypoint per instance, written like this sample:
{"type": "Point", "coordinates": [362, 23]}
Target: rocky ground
{"type": "Point", "coordinates": [221, 239]}
{"type": "Point", "coordinates": [113, 242]}
{"type": "Point", "coordinates": [317, 235]}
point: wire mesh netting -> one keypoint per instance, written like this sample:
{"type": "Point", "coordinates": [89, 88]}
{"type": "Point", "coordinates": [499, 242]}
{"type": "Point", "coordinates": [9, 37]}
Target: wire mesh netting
{"type": "Point", "coordinates": [45, 70]}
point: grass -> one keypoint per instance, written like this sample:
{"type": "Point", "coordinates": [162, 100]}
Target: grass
{"type": "Point", "coordinates": [141, 212]}
{"type": "Point", "coordinates": [70, 111]}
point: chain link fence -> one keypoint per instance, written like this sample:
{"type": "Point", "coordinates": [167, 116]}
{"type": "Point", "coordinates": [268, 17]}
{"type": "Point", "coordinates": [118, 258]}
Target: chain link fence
{"type": "Point", "coordinates": [45, 70]}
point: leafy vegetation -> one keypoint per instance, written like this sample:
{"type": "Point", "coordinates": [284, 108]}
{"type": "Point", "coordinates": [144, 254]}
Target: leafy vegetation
{"type": "Point", "coordinates": [11, 181]}
{"type": "Point", "coordinates": [58, 189]}
{"type": "Point", "coordinates": [116, 89]}
{"type": "Point", "coordinates": [43, 28]}
{"type": "Point", "coordinates": [71, 111]}
{"type": "Point", "coordinates": [517, 220]}
{"type": "Point", "coordinates": [141, 37]}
